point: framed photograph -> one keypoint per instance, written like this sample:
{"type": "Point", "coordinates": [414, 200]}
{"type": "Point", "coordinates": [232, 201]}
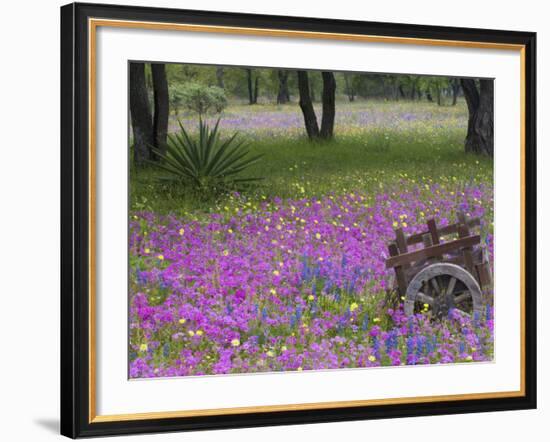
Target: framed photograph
{"type": "Point", "coordinates": [274, 220]}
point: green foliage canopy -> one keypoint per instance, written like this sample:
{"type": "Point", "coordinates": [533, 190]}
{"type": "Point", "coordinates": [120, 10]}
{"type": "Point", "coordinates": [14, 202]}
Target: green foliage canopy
{"type": "Point", "coordinates": [200, 98]}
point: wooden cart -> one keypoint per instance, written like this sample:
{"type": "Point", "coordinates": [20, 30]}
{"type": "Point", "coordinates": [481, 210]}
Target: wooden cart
{"type": "Point", "coordinates": [448, 270]}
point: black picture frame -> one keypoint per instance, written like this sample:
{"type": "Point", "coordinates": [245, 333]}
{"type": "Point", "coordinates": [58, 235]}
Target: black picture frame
{"type": "Point", "coordinates": [75, 220]}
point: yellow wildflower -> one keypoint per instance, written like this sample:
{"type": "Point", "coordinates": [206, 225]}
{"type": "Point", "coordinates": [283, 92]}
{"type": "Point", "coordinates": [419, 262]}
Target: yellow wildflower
{"type": "Point", "coordinates": [199, 333]}
{"type": "Point", "coordinates": [160, 257]}
{"type": "Point", "coordinates": [143, 347]}
{"type": "Point", "coordinates": [235, 342]}
{"type": "Point", "coordinates": [182, 321]}
{"type": "Point", "coordinates": [354, 306]}
{"type": "Point", "coordinates": [276, 272]}
{"type": "Point", "coordinates": [372, 358]}
{"type": "Point", "coordinates": [181, 231]}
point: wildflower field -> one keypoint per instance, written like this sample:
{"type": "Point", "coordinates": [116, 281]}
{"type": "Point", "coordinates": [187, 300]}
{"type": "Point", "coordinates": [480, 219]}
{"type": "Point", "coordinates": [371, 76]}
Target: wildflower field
{"type": "Point", "coordinates": [290, 274]}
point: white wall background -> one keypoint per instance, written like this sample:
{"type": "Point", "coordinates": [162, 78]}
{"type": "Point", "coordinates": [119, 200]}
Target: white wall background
{"type": "Point", "coordinates": [29, 219]}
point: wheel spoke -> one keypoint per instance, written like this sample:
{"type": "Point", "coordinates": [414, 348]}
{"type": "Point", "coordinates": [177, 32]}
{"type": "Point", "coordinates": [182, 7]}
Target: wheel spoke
{"type": "Point", "coordinates": [426, 289]}
{"type": "Point", "coordinates": [451, 286]}
{"type": "Point", "coordinates": [424, 298]}
{"type": "Point", "coordinates": [435, 286]}
{"type": "Point", "coordinates": [461, 298]}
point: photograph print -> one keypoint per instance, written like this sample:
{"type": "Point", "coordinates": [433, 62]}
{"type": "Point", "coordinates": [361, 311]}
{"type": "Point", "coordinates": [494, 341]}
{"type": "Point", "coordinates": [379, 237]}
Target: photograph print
{"type": "Point", "coordinates": [292, 220]}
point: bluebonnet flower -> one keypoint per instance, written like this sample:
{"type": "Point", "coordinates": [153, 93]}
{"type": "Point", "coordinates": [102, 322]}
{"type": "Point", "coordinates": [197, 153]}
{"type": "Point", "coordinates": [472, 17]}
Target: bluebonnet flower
{"type": "Point", "coordinates": [421, 346]}
{"type": "Point", "coordinates": [476, 319]}
{"type": "Point", "coordinates": [141, 277]}
{"type": "Point", "coordinates": [365, 324]}
{"type": "Point", "coordinates": [411, 359]}
{"type": "Point", "coordinates": [376, 347]}
{"type": "Point", "coordinates": [298, 312]}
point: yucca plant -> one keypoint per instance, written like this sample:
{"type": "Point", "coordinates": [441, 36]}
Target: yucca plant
{"type": "Point", "coordinates": [205, 160]}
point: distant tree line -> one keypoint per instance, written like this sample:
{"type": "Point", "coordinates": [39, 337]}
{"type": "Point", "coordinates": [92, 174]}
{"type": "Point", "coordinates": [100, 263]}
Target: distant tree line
{"type": "Point", "coordinates": [157, 89]}
{"type": "Point", "coordinates": [281, 86]}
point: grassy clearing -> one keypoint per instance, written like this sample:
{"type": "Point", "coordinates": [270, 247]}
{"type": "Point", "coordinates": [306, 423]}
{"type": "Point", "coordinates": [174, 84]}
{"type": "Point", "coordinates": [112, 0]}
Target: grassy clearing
{"type": "Point", "coordinates": [358, 158]}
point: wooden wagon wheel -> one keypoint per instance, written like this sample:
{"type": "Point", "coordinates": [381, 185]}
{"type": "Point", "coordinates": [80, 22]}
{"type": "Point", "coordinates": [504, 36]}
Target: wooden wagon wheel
{"type": "Point", "coordinates": [443, 286]}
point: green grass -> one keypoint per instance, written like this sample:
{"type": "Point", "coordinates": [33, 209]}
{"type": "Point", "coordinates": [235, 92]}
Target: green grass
{"type": "Point", "coordinates": [366, 159]}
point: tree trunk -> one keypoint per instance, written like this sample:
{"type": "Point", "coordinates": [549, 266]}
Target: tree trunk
{"type": "Point", "coordinates": [142, 124]}
{"type": "Point", "coordinates": [219, 77]}
{"type": "Point", "coordinates": [349, 88]}
{"type": "Point", "coordinates": [256, 87]}
{"type": "Point", "coordinates": [329, 107]}
{"type": "Point", "coordinates": [419, 93]}
{"type": "Point", "coordinates": [161, 112]}
{"type": "Point", "coordinates": [310, 120]}
{"type": "Point", "coordinates": [249, 85]}
{"type": "Point", "coordinates": [455, 84]}
{"type": "Point", "coordinates": [479, 138]}
{"type": "Point", "coordinates": [283, 96]}
{"type": "Point", "coordinates": [438, 94]}
{"type": "Point", "coordinates": [401, 91]}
